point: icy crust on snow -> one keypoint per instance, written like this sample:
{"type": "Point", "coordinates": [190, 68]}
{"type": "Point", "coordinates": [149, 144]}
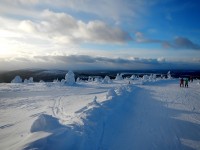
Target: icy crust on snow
{"type": "Point", "coordinates": [80, 135]}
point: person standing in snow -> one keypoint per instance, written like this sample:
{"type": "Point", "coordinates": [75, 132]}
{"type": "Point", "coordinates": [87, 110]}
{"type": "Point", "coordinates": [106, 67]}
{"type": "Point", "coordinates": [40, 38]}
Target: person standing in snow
{"type": "Point", "coordinates": [181, 82]}
{"type": "Point", "coordinates": [186, 82]}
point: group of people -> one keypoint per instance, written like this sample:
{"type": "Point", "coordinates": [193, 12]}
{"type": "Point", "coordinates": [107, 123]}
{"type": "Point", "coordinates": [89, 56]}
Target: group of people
{"type": "Point", "coordinates": [186, 80]}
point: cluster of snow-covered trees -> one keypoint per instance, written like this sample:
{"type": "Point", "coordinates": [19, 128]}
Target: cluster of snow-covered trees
{"type": "Point", "coordinates": [18, 79]}
{"type": "Point", "coordinates": [70, 79]}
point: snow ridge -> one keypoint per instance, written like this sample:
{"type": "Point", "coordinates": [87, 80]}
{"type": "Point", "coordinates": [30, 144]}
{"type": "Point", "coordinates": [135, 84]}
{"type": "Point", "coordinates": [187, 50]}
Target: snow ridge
{"type": "Point", "coordinates": [87, 135]}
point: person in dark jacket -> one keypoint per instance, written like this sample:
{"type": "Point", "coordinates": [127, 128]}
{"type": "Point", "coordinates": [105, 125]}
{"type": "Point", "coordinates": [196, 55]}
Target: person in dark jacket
{"type": "Point", "coordinates": [181, 82]}
{"type": "Point", "coordinates": [186, 82]}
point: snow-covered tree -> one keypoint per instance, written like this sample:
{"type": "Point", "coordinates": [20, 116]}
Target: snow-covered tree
{"type": "Point", "coordinates": [25, 81]}
{"type": "Point", "coordinates": [56, 81]}
{"type": "Point", "coordinates": [169, 75]}
{"type": "Point", "coordinates": [119, 77]}
{"type": "Point", "coordinates": [97, 80]}
{"type": "Point", "coordinates": [106, 80]}
{"type": "Point", "coordinates": [145, 77]}
{"type": "Point", "coordinates": [30, 80]}
{"type": "Point", "coordinates": [70, 78]}
{"type": "Point", "coordinates": [41, 81]}
{"type": "Point", "coordinates": [111, 93]}
{"type": "Point", "coordinates": [17, 79]}
{"type": "Point", "coordinates": [133, 77]}
{"type": "Point", "coordinates": [90, 79]}
{"type": "Point", "coordinates": [78, 80]}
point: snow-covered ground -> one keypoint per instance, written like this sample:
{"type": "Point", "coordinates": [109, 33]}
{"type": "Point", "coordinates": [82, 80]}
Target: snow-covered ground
{"type": "Point", "coordinates": [157, 115]}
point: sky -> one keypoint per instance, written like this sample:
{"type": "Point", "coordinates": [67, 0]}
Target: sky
{"type": "Point", "coordinates": [99, 34]}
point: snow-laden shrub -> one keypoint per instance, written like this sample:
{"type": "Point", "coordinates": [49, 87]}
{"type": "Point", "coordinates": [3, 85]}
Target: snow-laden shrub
{"type": "Point", "coordinates": [119, 77]}
{"type": "Point", "coordinates": [78, 80]}
{"type": "Point", "coordinates": [169, 75]}
{"type": "Point", "coordinates": [152, 77]}
{"type": "Point", "coordinates": [56, 81]}
{"type": "Point", "coordinates": [41, 81]}
{"type": "Point", "coordinates": [98, 80]}
{"type": "Point", "coordinates": [120, 90]}
{"type": "Point", "coordinates": [111, 93]}
{"type": "Point", "coordinates": [62, 82]}
{"type": "Point", "coordinates": [106, 80]}
{"type": "Point", "coordinates": [25, 81]}
{"type": "Point", "coordinates": [70, 78]}
{"type": "Point", "coordinates": [133, 77]}
{"type": "Point", "coordinates": [17, 79]}
{"type": "Point", "coordinates": [162, 76]}
{"type": "Point", "coordinates": [30, 80]}
{"type": "Point", "coordinates": [90, 79]}
{"type": "Point", "coordinates": [145, 77]}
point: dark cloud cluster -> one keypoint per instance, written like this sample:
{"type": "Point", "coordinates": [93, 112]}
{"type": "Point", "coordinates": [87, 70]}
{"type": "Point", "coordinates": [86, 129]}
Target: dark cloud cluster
{"type": "Point", "coordinates": [181, 43]}
{"type": "Point", "coordinates": [85, 59]}
{"type": "Point", "coordinates": [86, 62]}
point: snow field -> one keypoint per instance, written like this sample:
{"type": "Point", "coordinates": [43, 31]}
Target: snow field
{"type": "Point", "coordinates": [148, 113]}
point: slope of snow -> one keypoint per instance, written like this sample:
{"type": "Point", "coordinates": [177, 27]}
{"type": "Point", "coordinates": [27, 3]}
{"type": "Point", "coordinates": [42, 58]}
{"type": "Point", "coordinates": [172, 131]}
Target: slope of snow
{"type": "Point", "coordinates": [145, 114]}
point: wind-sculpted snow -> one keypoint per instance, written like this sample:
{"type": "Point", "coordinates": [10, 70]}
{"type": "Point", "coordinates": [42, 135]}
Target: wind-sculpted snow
{"type": "Point", "coordinates": [84, 136]}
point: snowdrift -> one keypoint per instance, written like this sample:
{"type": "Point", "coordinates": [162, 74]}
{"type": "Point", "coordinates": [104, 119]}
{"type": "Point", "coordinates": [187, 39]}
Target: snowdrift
{"type": "Point", "coordinates": [84, 136]}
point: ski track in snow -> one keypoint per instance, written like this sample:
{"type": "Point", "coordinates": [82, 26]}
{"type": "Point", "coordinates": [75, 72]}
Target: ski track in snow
{"type": "Point", "coordinates": [58, 110]}
{"type": "Point", "coordinates": [154, 115]}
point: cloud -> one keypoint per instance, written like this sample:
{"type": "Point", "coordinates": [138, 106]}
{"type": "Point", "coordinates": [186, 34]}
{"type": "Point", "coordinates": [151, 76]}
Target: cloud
{"type": "Point", "coordinates": [139, 38]}
{"type": "Point", "coordinates": [63, 28]}
{"type": "Point", "coordinates": [87, 62]}
{"type": "Point", "coordinates": [177, 43]}
{"type": "Point", "coordinates": [108, 9]}
{"type": "Point", "coordinates": [181, 43]}
{"type": "Point", "coordinates": [112, 10]}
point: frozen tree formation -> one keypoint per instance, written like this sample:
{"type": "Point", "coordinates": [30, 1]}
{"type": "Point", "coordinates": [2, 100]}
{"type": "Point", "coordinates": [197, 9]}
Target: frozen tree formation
{"type": "Point", "coordinates": [111, 93]}
{"type": "Point", "coordinates": [70, 78]}
{"type": "Point", "coordinates": [119, 77]}
{"type": "Point", "coordinates": [106, 80]}
{"type": "Point", "coordinates": [169, 75]}
{"type": "Point", "coordinates": [17, 79]}
{"type": "Point", "coordinates": [133, 77]}
{"type": "Point", "coordinates": [30, 80]}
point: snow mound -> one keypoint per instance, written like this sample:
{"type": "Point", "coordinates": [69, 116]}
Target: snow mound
{"type": "Point", "coordinates": [45, 123]}
{"type": "Point", "coordinates": [17, 79]}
